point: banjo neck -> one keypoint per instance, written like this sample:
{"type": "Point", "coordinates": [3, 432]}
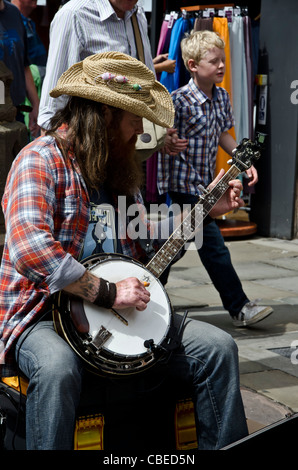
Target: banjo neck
{"type": "Point", "coordinates": [193, 220]}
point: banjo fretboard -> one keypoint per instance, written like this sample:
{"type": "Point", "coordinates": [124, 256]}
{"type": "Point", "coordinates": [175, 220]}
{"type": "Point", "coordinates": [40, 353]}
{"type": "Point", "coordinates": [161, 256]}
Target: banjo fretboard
{"type": "Point", "coordinates": [185, 231]}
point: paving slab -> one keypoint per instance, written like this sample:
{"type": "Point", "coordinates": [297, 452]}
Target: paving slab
{"type": "Point", "coordinates": [264, 291]}
{"type": "Point", "coordinates": [276, 385]}
{"type": "Point", "coordinates": [290, 300]}
{"type": "Point", "coordinates": [196, 274]}
{"type": "Point", "coordinates": [190, 301]}
{"type": "Point", "coordinates": [247, 366]}
{"type": "Point", "coordinates": [203, 295]}
{"type": "Point", "coordinates": [260, 270]}
{"type": "Point", "coordinates": [289, 283]}
{"type": "Point", "coordinates": [289, 263]}
{"type": "Point", "coordinates": [276, 244]}
{"type": "Point", "coordinates": [262, 410]}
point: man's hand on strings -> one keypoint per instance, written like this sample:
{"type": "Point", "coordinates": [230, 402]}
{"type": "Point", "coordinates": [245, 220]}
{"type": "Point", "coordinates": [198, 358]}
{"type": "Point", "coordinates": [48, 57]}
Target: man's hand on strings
{"type": "Point", "coordinates": [230, 200]}
{"type": "Point", "coordinates": [131, 293]}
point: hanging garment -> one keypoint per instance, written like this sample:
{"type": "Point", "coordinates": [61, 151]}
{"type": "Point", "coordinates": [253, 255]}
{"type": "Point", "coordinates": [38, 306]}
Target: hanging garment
{"type": "Point", "coordinates": [240, 99]}
{"type": "Point", "coordinates": [173, 81]}
{"type": "Point", "coordinates": [249, 71]}
{"type": "Point", "coordinates": [250, 89]}
{"type": "Point", "coordinates": [255, 33]}
{"type": "Point", "coordinates": [164, 31]}
{"type": "Point", "coordinates": [165, 36]}
{"type": "Point", "coordinates": [151, 163]}
{"type": "Point", "coordinates": [203, 24]}
{"type": "Point", "coordinates": [220, 26]}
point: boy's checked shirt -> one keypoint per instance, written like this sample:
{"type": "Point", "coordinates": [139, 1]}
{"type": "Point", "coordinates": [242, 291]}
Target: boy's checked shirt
{"type": "Point", "coordinates": [201, 121]}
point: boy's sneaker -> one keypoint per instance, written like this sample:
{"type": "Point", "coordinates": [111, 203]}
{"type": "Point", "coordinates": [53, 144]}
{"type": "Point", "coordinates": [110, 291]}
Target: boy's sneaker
{"type": "Point", "coordinates": [251, 313]}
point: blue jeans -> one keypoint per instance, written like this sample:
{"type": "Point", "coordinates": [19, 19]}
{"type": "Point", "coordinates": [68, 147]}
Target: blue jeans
{"type": "Point", "coordinates": [216, 259]}
{"type": "Point", "coordinates": [207, 359]}
{"type": "Point", "coordinates": [55, 375]}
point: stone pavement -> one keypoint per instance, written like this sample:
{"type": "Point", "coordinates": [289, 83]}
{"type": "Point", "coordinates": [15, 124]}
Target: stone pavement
{"type": "Point", "coordinates": [268, 269]}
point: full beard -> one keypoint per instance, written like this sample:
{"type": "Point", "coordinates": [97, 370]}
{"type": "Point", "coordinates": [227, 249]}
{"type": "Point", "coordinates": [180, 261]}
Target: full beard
{"type": "Point", "coordinates": [123, 172]}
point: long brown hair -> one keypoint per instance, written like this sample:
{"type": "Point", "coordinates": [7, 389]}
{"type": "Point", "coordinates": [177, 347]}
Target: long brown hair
{"type": "Point", "coordinates": [86, 136]}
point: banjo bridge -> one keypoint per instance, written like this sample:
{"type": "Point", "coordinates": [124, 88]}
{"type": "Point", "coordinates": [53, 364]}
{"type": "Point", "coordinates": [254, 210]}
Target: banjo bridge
{"type": "Point", "coordinates": [100, 338]}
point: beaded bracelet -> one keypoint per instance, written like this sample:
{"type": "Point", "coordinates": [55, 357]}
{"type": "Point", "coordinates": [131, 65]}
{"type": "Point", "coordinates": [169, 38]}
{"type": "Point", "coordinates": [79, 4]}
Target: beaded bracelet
{"type": "Point", "coordinates": [106, 294]}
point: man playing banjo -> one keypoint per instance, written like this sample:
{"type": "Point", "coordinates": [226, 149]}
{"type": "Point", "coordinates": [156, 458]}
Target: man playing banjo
{"type": "Point", "coordinates": [53, 191]}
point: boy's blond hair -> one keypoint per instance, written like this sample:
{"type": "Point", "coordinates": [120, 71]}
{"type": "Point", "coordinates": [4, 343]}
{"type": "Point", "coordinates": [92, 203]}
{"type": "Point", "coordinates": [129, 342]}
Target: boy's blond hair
{"type": "Point", "coordinates": [197, 43]}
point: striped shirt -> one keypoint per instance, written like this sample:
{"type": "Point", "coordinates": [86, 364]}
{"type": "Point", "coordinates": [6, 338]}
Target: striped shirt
{"type": "Point", "coordinates": [81, 28]}
{"type": "Point", "coordinates": [201, 121]}
{"type": "Point", "coordinates": [47, 209]}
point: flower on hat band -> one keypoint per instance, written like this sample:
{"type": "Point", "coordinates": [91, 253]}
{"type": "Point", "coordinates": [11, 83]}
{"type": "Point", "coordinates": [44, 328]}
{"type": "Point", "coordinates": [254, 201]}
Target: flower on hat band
{"type": "Point", "coordinates": [121, 79]}
{"type": "Point", "coordinates": [108, 77]}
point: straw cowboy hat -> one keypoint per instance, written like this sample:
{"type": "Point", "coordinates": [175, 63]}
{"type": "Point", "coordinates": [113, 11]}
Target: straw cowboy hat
{"type": "Point", "coordinates": [121, 81]}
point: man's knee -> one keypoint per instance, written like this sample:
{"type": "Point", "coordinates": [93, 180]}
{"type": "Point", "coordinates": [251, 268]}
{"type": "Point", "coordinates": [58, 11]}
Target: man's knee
{"type": "Point", "coordinates": [63, 367]}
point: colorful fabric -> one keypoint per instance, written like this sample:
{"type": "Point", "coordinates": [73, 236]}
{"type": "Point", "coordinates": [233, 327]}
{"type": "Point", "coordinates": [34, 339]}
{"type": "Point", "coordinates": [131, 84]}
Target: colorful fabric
{"type": "Point", "coordinates": [220, 26]}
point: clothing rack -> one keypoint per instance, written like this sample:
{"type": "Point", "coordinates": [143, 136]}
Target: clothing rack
{"type": "Point", "coordinates": [203, 7]}
{"type": "Point", "coordinates": [228, 10]}
{"type": "Point", "coordinates": [219, 18]}
{"type": "Point", "coordinates": [218, 15]}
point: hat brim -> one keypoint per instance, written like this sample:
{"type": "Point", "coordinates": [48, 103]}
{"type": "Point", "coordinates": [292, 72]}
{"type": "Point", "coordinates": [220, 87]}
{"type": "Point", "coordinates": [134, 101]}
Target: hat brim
{"type": "Point", "coordinates": [160, 112]}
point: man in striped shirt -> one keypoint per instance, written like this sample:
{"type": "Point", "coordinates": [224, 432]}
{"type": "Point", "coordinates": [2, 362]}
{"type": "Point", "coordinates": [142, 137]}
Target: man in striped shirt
{"type": "Point", "coordinates": [81, 28]}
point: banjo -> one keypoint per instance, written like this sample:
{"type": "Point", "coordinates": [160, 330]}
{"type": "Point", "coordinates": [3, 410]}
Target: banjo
{"type": "Point", "coordinates": [130, 341]}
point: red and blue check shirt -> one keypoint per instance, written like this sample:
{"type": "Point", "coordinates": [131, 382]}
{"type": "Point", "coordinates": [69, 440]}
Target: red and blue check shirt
{"type": "Point", "coordinates": [46, 207]}
{"type": "Point", "coordinates": [201, 121]}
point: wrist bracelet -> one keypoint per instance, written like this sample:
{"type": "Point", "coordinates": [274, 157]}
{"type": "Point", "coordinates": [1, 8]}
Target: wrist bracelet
{"type": "Point", "coordinates": [106, 294]}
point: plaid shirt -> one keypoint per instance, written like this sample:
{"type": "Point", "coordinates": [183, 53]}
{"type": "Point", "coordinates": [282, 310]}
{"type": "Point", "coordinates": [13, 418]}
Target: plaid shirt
{"type": "Point", "coordinates": [201, 121]}
{"type": "Point", "coordinates": [46, 205]}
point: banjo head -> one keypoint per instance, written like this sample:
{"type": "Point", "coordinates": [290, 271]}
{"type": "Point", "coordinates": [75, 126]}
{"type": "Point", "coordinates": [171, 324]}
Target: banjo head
{"type": "Point", "coordinates": [123, 342]}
